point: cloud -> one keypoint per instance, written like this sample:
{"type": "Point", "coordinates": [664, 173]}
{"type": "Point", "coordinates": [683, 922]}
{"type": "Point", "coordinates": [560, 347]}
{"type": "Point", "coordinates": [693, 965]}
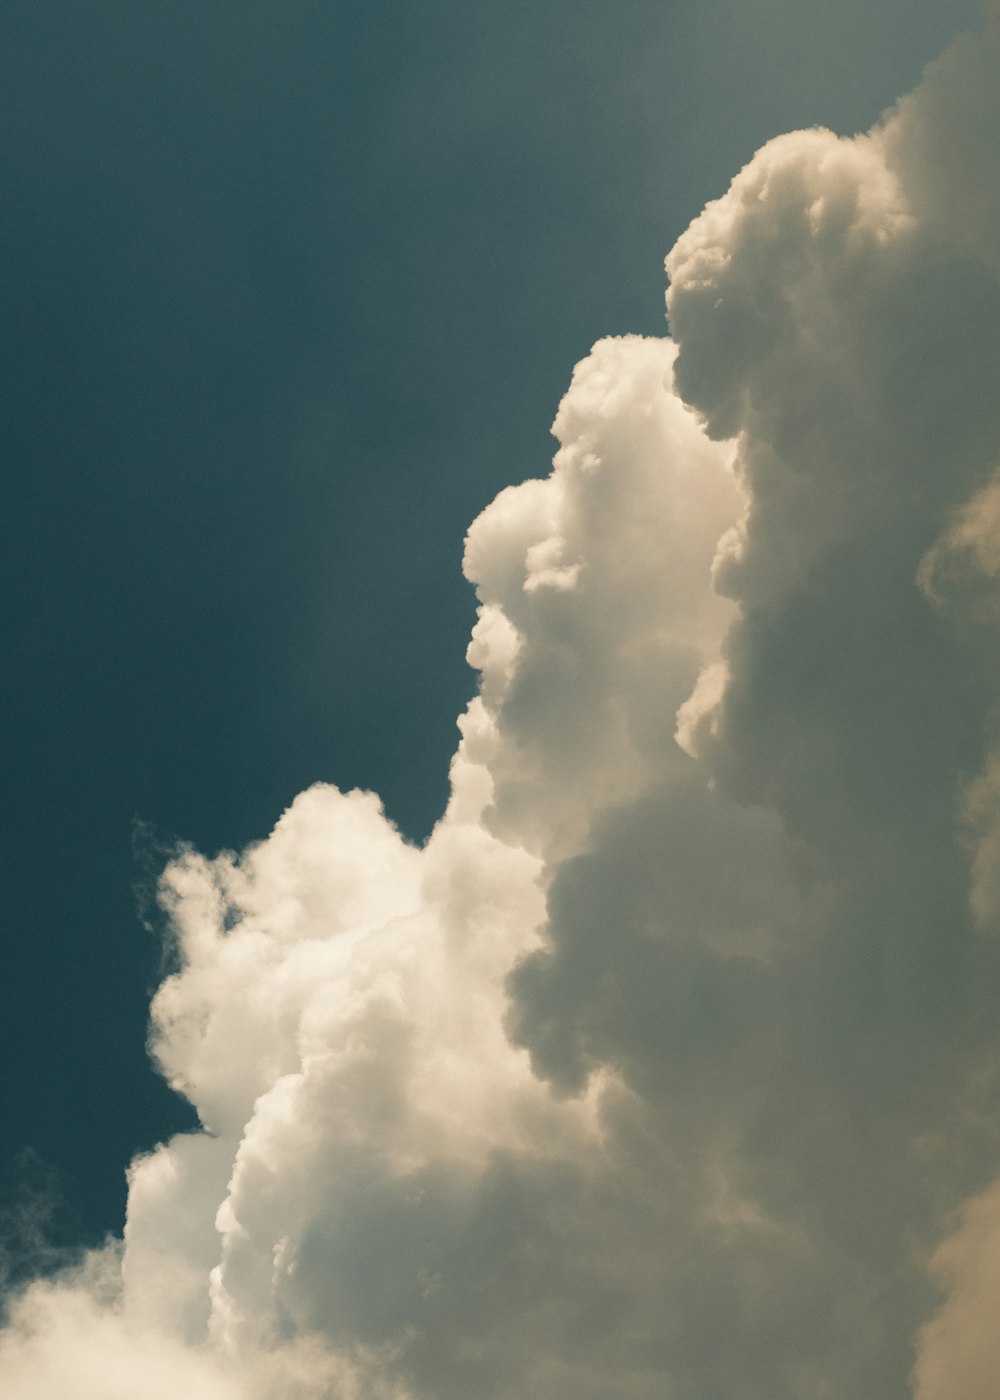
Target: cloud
{"type": "Point", "coordinates": [667, 1065]}
{"type": "Point", "coordinates": [73, 1337]}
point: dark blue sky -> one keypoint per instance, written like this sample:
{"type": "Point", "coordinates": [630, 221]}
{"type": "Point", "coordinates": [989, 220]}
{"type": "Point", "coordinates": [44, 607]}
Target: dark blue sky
{"type": "Point", "coordinates": [291, 291]}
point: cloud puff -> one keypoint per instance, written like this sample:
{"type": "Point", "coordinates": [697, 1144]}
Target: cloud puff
{"type": "Point", "coordinates": [668, 1065]}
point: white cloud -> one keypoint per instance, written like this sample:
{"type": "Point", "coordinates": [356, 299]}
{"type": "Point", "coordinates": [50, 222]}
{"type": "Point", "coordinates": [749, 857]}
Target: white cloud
{"type": "Point", "coordinates": [75, 1338]}
{"type": "Point", "coordinates": [959, 1349]}
{"type": "Point", "coordinates": [666, 1061]}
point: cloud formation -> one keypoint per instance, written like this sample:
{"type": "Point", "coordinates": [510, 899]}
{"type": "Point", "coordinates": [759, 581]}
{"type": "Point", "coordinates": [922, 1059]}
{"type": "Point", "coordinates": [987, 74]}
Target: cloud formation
{"type": "Point", "coordinates": [668, 1066]}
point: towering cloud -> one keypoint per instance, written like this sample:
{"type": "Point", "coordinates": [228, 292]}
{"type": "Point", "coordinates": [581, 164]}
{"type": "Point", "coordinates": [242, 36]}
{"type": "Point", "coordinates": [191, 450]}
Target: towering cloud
{"type": "Point", "coordinates": [668, 1067]}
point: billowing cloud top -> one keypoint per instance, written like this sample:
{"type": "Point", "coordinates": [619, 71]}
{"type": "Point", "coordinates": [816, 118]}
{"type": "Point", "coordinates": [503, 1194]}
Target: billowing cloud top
{"type": "Point", "coordinates": [667, 1068]}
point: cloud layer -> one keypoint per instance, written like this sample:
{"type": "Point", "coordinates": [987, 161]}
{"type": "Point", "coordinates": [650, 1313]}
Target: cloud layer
{"type": "Point", "coordinates": [668, 1066]}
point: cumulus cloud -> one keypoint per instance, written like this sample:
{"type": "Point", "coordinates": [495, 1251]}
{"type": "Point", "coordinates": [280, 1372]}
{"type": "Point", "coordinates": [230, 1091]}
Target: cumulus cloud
{"type": "Point", "coordinates": [667, 1067]}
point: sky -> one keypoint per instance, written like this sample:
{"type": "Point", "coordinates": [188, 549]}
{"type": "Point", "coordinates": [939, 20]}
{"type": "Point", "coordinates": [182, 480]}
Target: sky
{"type": "Point", "coordinates": [665, 1066]}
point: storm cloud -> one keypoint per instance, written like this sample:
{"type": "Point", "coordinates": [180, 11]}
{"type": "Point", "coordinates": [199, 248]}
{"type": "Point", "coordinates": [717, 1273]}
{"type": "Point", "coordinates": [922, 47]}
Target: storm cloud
{"type": "Point", "coordinates": [668, 1066]}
